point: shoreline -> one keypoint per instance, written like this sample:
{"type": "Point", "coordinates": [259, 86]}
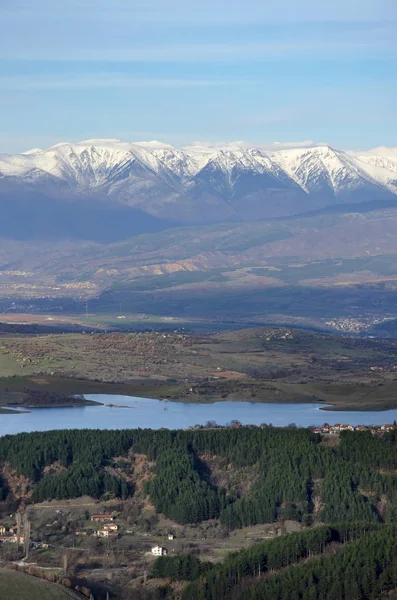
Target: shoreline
{"type": "Point", "coordinates": [13, 408]}
{"type": "Point", "coordinates": [12, 390]}
{"type": "Point", "coordinates": [149, 415]}
{"type": "Point", "coordinates": [11, 411]}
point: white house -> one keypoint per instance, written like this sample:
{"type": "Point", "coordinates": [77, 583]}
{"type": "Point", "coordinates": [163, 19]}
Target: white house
{"type": "Point", "coordinates": [388, 427]}
{"type": "Point", "coordinates": [111, 527]}
{"type": "Point", "coordinates": [159, 551]}
{"type": "Point", "coordinates": [106, 533]}
{"type": "Point", "coordinates": [171, 536]}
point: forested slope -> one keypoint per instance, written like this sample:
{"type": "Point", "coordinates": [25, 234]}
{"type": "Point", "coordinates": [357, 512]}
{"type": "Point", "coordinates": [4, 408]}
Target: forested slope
{"type": "Point", "coordinates": [344, 493]}
{"type": "Point", "coordinates": [343, 562]}
{"type": "Point", "coordinates": [291, 469]}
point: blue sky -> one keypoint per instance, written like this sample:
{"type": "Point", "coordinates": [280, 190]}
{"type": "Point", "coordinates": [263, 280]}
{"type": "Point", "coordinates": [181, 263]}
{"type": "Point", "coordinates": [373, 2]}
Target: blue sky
{"type": "Point", "coordinates": [187, 70]}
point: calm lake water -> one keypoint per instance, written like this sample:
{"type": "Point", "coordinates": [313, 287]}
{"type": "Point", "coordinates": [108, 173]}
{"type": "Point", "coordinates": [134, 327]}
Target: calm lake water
{"type": "Point", "coordinates": [145, 413]}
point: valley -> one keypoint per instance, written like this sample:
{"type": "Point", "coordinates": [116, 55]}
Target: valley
{"type": "Point", "coordinates": [197, 277]}
{"type": "Point", "coordinates": [232, 510]}
{"type": "Point", "coordinates": [262, 364]}
{"type": "Point", "coordinates": [200, 235]}
{"type": "Point", "coordinates": [198, 300]}
{"type": "Point", "coordinates": [280, 272]}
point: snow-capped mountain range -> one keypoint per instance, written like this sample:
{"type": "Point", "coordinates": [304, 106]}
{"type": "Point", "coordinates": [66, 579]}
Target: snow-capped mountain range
{"type": "Point", "coordinates": [198, 184]}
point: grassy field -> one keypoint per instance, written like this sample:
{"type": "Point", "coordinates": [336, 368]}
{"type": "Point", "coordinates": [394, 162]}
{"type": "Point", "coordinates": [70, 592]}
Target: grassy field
{"type": "Point", "coordinates": [18, 586]}
{"type": "Point", "coordinates": [260, 364]}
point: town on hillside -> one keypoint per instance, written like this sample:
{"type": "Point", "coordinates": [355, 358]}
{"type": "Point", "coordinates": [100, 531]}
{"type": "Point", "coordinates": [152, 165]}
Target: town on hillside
{"type": "Point", "coordinates": [339, 427]}
{"type": "Point", "coordinates": [326, 428]}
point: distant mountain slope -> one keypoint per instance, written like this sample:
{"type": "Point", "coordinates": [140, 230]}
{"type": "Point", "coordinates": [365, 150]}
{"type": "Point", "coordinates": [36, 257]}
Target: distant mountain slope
{"type": "Point", "coordinates": [211, 256]}
{"type": "Point", "coordinates": [381, 164]}
{"type": "Point", "coordinates": [107, 190]}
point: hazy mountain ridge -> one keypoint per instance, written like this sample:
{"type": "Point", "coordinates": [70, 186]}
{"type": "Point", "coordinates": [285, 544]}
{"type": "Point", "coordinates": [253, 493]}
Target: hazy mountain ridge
{"type": "Point", "coordinates": [213, 221]}
{"type": "Point", "coordinates": [187, 186]}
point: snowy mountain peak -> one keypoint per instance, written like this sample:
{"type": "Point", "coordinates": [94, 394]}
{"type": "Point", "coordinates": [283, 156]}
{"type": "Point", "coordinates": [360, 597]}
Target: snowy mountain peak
{"type": "Point", "coordinates": [203, 182]}
{"type": "Point", "coordinates": [382, 151]}
{"type": "Point", "coordinates": [321, 167]}
{"type": "Point", "coordinates": [33, 151]}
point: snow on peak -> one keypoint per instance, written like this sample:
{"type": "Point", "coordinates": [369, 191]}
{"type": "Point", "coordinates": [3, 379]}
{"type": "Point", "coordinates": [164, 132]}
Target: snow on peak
{"type": "Point", "coordinates": [313, 168]}
{"type": "Point", "coordinates": [380, 151]}
{"type": "Point", "coordinates": [380, 164]}
{"type": "Point", "coordinates": [32, 151]}
{"type": "Point", "coordinates": [104, 162]}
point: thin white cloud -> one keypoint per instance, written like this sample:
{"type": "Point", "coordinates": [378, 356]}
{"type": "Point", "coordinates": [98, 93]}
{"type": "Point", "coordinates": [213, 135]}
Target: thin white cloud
{"type": "Point", "coordinates": [14, 144]}
{"type": "Point", "coordinates": [207, 11]}
{"type": "Point", "coordinates": [291, 145]}
{"type": "Point", "coordinates": [176, 30]}
{"type": "Point", "coordinates": [22, 143]}
{"type": "Point", "coordinates": [101, 80]}
{"type": "Point", "coordinates": [383, 41]}
{"type": "Point", "coordinates": [203, 146]}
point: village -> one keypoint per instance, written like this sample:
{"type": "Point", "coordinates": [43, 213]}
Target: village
{"type": "Point", "coordinates": [16, 529]}
{"type": "Point", "coordinates": [338, 428]}
{"type": "Point", "coordinates": [102, 526]}
{"type": "Point", "coordinates": [326, 428]}
{"type": "Point", "coordinates": [80, 539]}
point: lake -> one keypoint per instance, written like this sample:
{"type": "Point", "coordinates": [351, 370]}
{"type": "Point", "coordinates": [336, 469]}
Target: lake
{"type": "Point", "coordinates": [154, 414]}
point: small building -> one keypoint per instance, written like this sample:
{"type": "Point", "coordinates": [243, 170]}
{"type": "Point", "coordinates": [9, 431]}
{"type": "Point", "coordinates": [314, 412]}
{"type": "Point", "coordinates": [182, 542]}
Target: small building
{"type": "Point", "coordinates": [171, 536]}
{"type": "Point", "coordinates": [361, 428]}
{"type": "Point", "coordinates": [159, 551]}
{"type": "Point", "coordinates": [388, 427]}
{"type": "Point", "coordinates": [346, 427]}
{"type": "Point", "coordinates": [102, 518]}
{"type": "Point", "coordinates": [39, 545]}
{"type": "Point", "coordinates": [2, 530]}
{"type": "Point", "coordinates": [9, 539]}
{"type": "Point", "coordinates": [335, 428]}
{"type": "Point", "coordinates": [106, 533]}
{"type": "Point", "coordinates": [111, 527]}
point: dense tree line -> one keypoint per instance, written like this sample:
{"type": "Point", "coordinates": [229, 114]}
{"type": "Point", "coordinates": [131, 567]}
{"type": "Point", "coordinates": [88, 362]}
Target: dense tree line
{"type": "Point", "coordinates": [221, 581]}
{"type": "Point", "coordinates": [184, 567]}
{"type": "Point", "coordinates": [369, 450]}
{"type": "Point", "coordinates": [290, 466]}
{"type": "Point", "coordinates": [3, 489]}
{"type": "Point", "coordinates": [364, 570]}
{"type": "Point", "coordinates": [179, 492]}
{"type": "Point", "coordinates": [285, 486]}
{"type": "Point", "coordinates": [80, 479]}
